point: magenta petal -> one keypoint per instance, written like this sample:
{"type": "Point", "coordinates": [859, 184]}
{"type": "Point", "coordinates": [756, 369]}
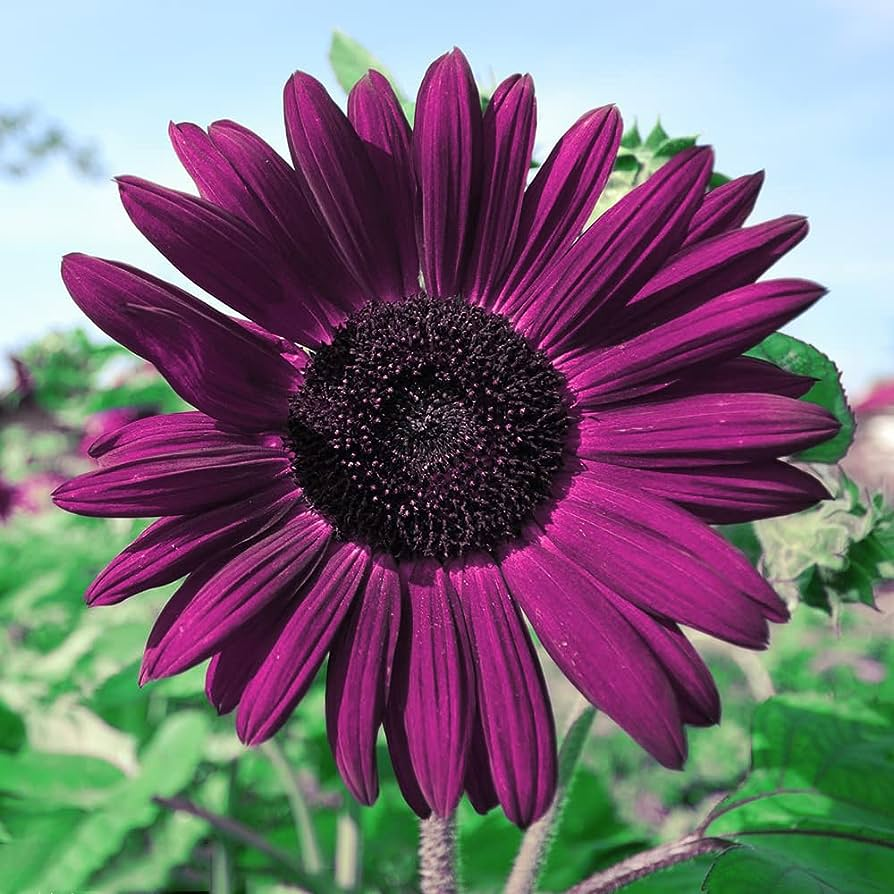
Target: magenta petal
{"type": "Point", "coordinates": [725, 208]}
{"type": "Point", "coordinates": [734, 493]}
{"type": "Point", "coordinates": [232, 669]}
{"type": "Point", "coordinates": [177, 484]}
{"type": "Point", "coordinates": [705, 429]}
{"type": "Point", "coordinates": [358, 677]}
{"type": "Point", "coordinates": [662, 559]}
{"type": "Point", "coordinates": [210, 360]}
{"type": "Point", "coordinates": [433, 687]}
{"type": "Point", "coordinates": [702, 271]}
{"type": "Point", "coordinates": [508, 140]}
{"type": "Point", "coordinates": [479, 780]}
{"type": "Point", "coordinates": [513, 703]}
{"type": "Point", "coordinates": [295, 658]}
{"type": "Point", "coordinates": [399, 751]}
{"type": "Point", "coordinates": [271, 569]}
{"type": "Point", "coordinates": [559, 200]}
{"type": "Point", "coordinates": [380, 122]}
{"type": "Point", "coordinates": [595, 646]}
{"type": "Point", "coordinates": [615, 257]}
{"type": "Point", "coordinates": [740, 375]}
{"type": "Point", "coordinates": [219, 253]}
{"type": "Point", "coordinates": [338, 178]}
{"type": "Point", "coordinates": [447, 153]}
{"type": "Point", "coordinates": [720, 329]}
{"type": "Point", "coordinates": [172, 547]}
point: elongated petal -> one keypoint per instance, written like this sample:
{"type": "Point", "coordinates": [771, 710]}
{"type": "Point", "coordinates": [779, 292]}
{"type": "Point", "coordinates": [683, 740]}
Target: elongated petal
{"type": "Point", "coordinates": [219, 253]}
{"type": "Point", "coordinates": [734, 493]}
{"type": "Point", "coordinates": [358, 677]}
{"type": "Point", "coordinates": [595, 646]}
{"type": "Point", "coordinates": [479, 780]}
{"type": "Point", "coordinates": [401, 761]}
{"type": "Point", "coordinates": [662, 559]}
{"type": "Point", "coordinates": [295, 658]}
{"type": "Point", "coordinates": [718, 330]}
{"type": "Point", "coordinates": [705, 270]}
{"type": "Point", "coordinates": [172, 547]}
{"type": "Point", "coordinates": [172, 484]}
{"type": "Point", "coordinates": [725, 208]}
{"type": "Point", "coordinates": [559, 200]}
{"type": "Point", "coordinates": [513, 703]}
{"type": "Point", "coordinates": [272, 569]}
{"type": "Point", "coordinates": [232, 669]}
{"type": "Point", "coordinates": [433, 688]}
{"type": "Point", "coordinates": [211, 361]}
{"type": "Point", "coordinates": [615, 257]}
{"type": "Point", "coordinates": [704, 429]}
{"type": "Point", "coordinates": [338, 177]}
{"type": "Point", "coordinates": [314, 265]}
{"type": "Point", "coordinates": [447, 156]}
{"type": "Point", "coordinates": [508, 140]}
{"type": "Point", "coordinates": [380, 122]}
{"type": "Point", "coordinates": [740, 375]}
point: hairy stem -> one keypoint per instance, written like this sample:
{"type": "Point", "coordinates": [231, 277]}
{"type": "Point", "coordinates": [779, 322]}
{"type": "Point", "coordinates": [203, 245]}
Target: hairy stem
{"type": "Point", "coordinates": [437, 855]}
{"type": "Point", "coordinates": [536, 842]}
{"type": "Point", "coordinates": [348, 847]}
{"type": "Point", "coordinates": [616, 877]}
{"type": "Point", "coordinates": [311, 856]}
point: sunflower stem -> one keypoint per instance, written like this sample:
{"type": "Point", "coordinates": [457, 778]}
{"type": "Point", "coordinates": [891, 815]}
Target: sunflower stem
{"type": "Point", "coordinates": [311, 857]}
{"type": "Point", "coordinates": [536, 842]}
{"type": "Point", "coordinates": [348, 847]}
{"type": "Point", "coordinates": [437, 855]}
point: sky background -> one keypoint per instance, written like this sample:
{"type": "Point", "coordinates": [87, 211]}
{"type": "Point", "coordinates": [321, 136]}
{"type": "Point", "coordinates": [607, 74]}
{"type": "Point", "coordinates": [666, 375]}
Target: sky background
{"type": "Point", "coordinates": [804, 90]}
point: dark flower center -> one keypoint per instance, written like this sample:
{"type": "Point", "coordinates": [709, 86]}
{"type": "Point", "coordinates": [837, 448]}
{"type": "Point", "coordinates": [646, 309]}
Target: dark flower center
{"type": "Point", "coordinates": [427, 427]}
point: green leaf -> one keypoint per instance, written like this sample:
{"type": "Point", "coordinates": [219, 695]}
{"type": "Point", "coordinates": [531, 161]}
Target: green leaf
{"type": "Point", "coordinates": [167, 765]}
{"type": "Point", "coordinates": [12, 729]}
{"type": "Point", "coordinates": [350, 61]}
{"type": "Point", "coordinates": [798, 357]}
{"type": "Point", "coordinates": [73, 780]}
{"type": "Point", "coordinates": [656, 137]}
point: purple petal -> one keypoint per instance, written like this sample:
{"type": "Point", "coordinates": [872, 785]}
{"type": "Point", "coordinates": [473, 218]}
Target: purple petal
{"type": "Point", "coordinates": [741, 374]}
{"type": "Point", "coordinates": [270, 570]}
{"type": "Point", "coordinates": [399, 751]}
{"type": "Point", "coordinates": [702, 271]}
{"type": "Point", "coordinates": [340, 181]}
{"type": "Point", "coordinates": [306, 246]}
{"type": "Point", "coordinates": [594, 645]}
{"type": "Point", "coordinates": [380, 122]}
{"type": "Point", "coordinates": [661, 559]}
{"type": "Point", "coordinates": [170, 433]}
{"type": "Point", "coordinates": [172, 547]}
{"type": "Point", "coordinates": [720, 329]}
{"type": "Point", "coordinates": [219, 253]}
{"type": "Point", "coordinates": [560, 199]}
{"type": "Point", "coordinates": [211, 361]}
{"type": "Point", "coordinates": [507, 143]}
{"type": "Point", "coordinates": [725, 208]}
{"type": "Point", "coordinates": [705, 429]}
{"type": "Point", "coordinates": [728, 494]}
{"type": "Point", "coordinates": [173, 484]}
{"type": "Point", "coordinates": [433, 687]}
{"type": "Point", "coordinates": [513, 703]}
{"type": "Point", "coordinates": [358, 677]}
{"type": "Point", "coordinates": [295, 658]}
{"type": "Point", "coordinates": [479, 781]}
{"type": "Point", "coordinates": [615, 257]}
{"type": "Point", "coordinates": [447, 153]}
{"type": "Point", "coordinates": [232, 669]}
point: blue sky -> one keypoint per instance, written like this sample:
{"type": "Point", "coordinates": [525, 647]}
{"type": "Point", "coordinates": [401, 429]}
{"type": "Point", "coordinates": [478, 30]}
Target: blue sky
{"type": "Point", "coordinates": [802, 89]}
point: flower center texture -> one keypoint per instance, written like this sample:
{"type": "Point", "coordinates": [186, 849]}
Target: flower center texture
{"type": "Point", "coordinates": [427, 427]}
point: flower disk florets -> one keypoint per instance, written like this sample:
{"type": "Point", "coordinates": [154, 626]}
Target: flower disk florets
{"type": "Point", "coordinates": [428, 427]}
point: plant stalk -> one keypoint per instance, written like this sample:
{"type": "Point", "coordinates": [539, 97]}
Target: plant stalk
{"type": "Point", "coordinates": [437, 855]}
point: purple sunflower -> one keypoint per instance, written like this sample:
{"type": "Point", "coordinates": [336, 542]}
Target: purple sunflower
{"type": "Point", "coordinates": [446, 406]}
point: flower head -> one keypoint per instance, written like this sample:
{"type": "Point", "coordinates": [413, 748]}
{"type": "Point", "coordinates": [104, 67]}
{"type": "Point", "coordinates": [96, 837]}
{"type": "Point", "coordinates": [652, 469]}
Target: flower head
{"type": "Point", "coordinates": [541, 423]}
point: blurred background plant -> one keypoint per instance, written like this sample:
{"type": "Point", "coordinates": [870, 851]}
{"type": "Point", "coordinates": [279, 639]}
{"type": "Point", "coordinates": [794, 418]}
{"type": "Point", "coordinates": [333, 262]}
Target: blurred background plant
{"type": "Point", "coordinates": [108, 788]}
